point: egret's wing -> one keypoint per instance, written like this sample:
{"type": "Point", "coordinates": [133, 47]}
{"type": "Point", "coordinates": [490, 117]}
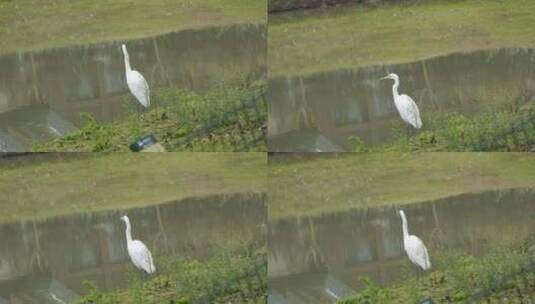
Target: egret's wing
{"type": "Point", "coordinates": [151, 262]}
{"type": "Point", "coordinates": [140, 88]}
{"type": "Point", "coordinates": [419, 253]}
{"type": "Point", "coordinates": [411, 112]}
{"type": "Point", "coordinates": [142, 257]}
{"type": "Point", "coordinates": [417, 117]}
{"type": "Point", "coordinates": [426, 256]}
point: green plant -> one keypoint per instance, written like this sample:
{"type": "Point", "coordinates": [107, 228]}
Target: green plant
{"type": "Point", "coordinates": [506, 271]}
{"type": "Point", "coordinates": [370, 294]}
{"type": "Point", "coordinates": [237, 277]}
{"type": "Point", "coordinates": [228, 118]}
{"type": "Point", "coordinates": [496, 128]}
{"type": "Point", "coordinates": [357, 143]}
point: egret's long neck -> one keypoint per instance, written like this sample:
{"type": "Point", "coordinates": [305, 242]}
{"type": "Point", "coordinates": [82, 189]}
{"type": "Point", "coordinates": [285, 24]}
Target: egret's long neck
{"type": "Point", "coordinates": [126, 61]}
{"type": "Point", "coordinates": [128, 232]}
{"type": "Point", "coordinates": [404, 226]}
{"type": "Point", "coordinates": [395, 88]}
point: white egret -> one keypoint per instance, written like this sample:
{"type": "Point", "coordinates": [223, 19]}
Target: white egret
{"type": "Point", "coordinates": [407, 108]}
{"type": "Point", "coordinates": [414, 247]}
{"type": "Point", "coordinates": [138, 252]}
{"type": "Point", "coordinates": [136, 82]}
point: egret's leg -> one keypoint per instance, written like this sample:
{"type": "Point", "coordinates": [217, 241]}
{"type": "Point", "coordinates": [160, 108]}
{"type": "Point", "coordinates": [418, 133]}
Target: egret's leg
{"type": "Point", "coordinates": [143, 277]}
{"type": "Point", "coordinates": [419, 273]}
{"type": "Point", "coordinates": [155, 105]}
{"type": "Point", "coordinates": [143, 112]}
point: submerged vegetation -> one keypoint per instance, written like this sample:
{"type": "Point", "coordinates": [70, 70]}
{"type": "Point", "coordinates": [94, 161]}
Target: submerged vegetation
{"type": "Point", "coordinates": [312, 184]}
{"type": "Point", "coordinates": [228, 118]}
{"type": "Point", "coordinates": [34, 24]}
{"type": "Point", "coordinates": [504, 275]}
{"type": "Point", "coordinates": [350, 36]}
{"type": "Point", "coordinates": [222, 278]}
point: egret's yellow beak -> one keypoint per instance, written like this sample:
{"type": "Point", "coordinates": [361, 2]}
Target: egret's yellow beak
{"type": "Point", "coordinates": [386, 77]}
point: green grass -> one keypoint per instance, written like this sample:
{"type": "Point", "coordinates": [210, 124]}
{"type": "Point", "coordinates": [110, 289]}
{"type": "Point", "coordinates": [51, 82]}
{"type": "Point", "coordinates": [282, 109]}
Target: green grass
{"type": "Point", "coordinates": [351, 36]}
{"type": "Point", "coordinates": [493, 131]}
{"type": "Point", "coordinates": [180, 121]}
{"type": "Point", "coordinates": [39, 24]}
{"type": "Point", "coordinates": [503, 273]}
{"type": "Point", "coordinates": [74, 183]}
{"type": "Point", "coordinates": [504, 128]}
{"type": "Point", "coordinates": [223, 278]}
{"type": "Point", "coordinates": [315, 184]}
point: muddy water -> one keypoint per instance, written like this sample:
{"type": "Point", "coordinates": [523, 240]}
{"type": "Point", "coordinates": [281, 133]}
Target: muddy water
{"type": "Point", "coordinates": [42, 93]}
{"type": "Point", "coordinates": [345, 103]}
{"type": "Point", "coordinates": [317, 259]}
{"type": "Point", "coordinates": [40, 260]}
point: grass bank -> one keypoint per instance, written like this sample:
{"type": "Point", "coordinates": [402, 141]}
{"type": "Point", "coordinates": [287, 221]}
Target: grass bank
{"type": "Point", "coordinates": [324, 183]}
{"type": "Point", "coordinates": [228, 118]}
{"type": "Point", "coordinates": [39, 24]}
{"type": "Point", "coordinates": [503, 275]}
{"type": "Point", "coordinates": [71, 183]}
{"type": "Point", "coordinates": [223, 278]}
{"type": "Point", "coordinates": [501, 131]}
{"type": "Point", "coordinates": [351, 36]}
{"type": "Point", "coordinates": [505, 128]}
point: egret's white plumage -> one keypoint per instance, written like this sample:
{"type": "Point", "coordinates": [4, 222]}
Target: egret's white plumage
{"type": "Point", "coordinates": [138, 252]}
{"type": "Point", "coordinates": [407, 108]}
{"type": "Point", "coordinates": [136, 82]}
{"type": "Point", "coordinates": [414, 247]}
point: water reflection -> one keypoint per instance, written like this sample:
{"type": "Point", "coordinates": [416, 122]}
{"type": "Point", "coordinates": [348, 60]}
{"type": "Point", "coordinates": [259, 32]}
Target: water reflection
{"type": "Point", "coordinates": [22, 127]}
{"type": "Point", "coordinates": [317, 259]}
{"type": "Point", "coordinates": [54, 256]}
{"type": "Point", "coordinates": [91, 78]}
{"type": "Point", "coordinates": [346, 103]}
